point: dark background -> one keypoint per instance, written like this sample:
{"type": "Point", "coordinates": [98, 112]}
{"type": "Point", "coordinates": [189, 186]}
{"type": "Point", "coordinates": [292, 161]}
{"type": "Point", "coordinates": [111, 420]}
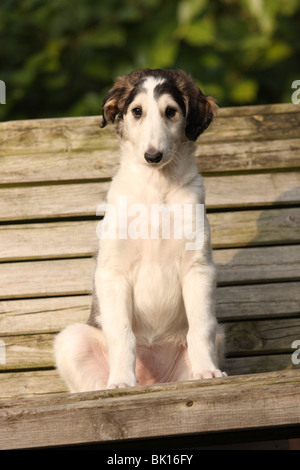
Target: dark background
{"type": "Point", "coordinates": [59, 57]}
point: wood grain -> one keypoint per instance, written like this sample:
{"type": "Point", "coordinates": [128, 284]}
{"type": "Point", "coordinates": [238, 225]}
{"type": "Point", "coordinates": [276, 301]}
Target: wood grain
{"type": "Point", "coordinates": [234, 403]}
{"type": "Point", "coordinates": [67, 239]}
{"type": "Point", "coordinates": [48, 240]}
{"type": "Point", "coordinates": [42, 315]}
{"type": "Point", "coordinates": [248, 156]}
{"type": "Point", "coordinates": [51, 201]}
{"type": "Point", "coordinates": [253, 265]}
{"type": "Point", "coordinates": [74, 276]}
{"type": "Point", "coordinates": [29, 344]}
{"type": "Point", "coordinates": [261, 337]}
{"type": "Point", "coordinates": [35, 383]}
{"type": "Point", "coordinates": [47, 278]}
{"type": "Point", "coordinates": [53, 175]}
{"type": "Point", "coordinates": [234, 303]}
{"type": "Point", "coordinates": [82, 199]}
{"type": "Point", "coordinates": [28, 352]}
{"type": "Point", "coordinates": [258, 301]}
{"type": "Point", "coordinates": [69, 149]}
{"type": "Point", "coordinates": [31, 383]}
{"type": "Point", "coordinates": [264, 227]}
{"type": "Point", "coordinates": [264, 337]}
{"type": "Point", "coordinates": [246, 365]}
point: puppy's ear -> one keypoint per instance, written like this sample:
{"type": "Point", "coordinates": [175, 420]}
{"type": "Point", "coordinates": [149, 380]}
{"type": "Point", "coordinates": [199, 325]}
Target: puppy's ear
{"type": "Point", "coordinates": [110, 107]}
{"type": "Point", "coordinates": [201, 110]}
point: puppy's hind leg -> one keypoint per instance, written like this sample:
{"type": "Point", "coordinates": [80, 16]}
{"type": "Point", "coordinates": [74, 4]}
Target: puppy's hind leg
{"type": "Point", "coordinates": [80, 355]}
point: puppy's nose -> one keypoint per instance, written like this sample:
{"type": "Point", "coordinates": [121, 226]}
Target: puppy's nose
{"type": "Point", "coordinates": [153, 157]}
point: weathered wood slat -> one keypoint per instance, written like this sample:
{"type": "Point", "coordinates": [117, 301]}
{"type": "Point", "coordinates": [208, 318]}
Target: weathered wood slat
{"type": "Point", "coordinates": [248, 156]}
{"type": "Point", "coordinates": [60, 169]}
{"type": "Point", "coordinates": [74, 276]}
{"type": "Point", "coordinates": [257, 402]}
{"type": "Point", "coordinates": [68, 149]}
{"type": "Point", "coordinates": [241, 191]}
{"type": "Point", "coordinates": [51, 201]}
{"type": "Point", "coordinates": [233, 125]}
{"type": "Point", "coordinates": [42, 315]}
{"type": "Point", "coordinates": [65, 134]}
{"type": "Point", "coordinates": [264, 264]}
{"type": "Point", "coordinates": [48, 240]}
{"type": "Point", "coordinates": [229, 229]}
{"type": "Point", "coordinates": [47, 278]}
{"type": "Point", "coordinates": [51, 314]}
{"type": "Point", "coordinates": [82, 199]}
{"type": "Point", "coordinates": [211, 158]}
{"type": "Point", "coordinates": [258, 301]}
{"type": "Point", "coordinates": [277, 108]}
{"type": "Point", "coordinates": [263, 227]}
{"type": "Point", "coordinates": [53, 166]}
{"type": "Point", "coordinates": [257, 364]}
{"type": "Point", "coordinates": [261, 337]}
{"type": "Point", "coordinates": [103, 164]}
{"type": "Point", "coordinates": [47, 382]}
{"type": "Point", "coordinates": [30, 383]}
{"type": "Point", "coordinates": [28, 352]}
{"type": "Point", "coordinates": [68, 134]}
{"type": "Point", "coordinates": [58, 149]}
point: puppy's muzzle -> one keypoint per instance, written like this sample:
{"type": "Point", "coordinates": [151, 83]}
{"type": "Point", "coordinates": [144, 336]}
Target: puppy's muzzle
{"type": "Point", "coordinates": [154, 157]}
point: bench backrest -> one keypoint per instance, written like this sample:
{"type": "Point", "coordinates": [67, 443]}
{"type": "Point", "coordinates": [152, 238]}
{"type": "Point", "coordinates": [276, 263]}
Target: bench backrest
{"type": "Point", "coordinates": [55, 172]}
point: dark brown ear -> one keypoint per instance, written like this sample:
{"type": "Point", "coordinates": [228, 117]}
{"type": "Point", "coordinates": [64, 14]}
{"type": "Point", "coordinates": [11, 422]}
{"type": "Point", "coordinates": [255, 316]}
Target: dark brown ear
{"type": "Point", "coordinates": [201, 110]}
{"type": "Point", "coordinates": [110, 107]}
{"type": "Point", "coordinates": [114, 105]}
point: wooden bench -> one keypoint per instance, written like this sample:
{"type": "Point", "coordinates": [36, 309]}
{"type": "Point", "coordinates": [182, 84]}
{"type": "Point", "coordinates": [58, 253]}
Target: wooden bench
{"type": "Point", "coordinates": [53, 175]}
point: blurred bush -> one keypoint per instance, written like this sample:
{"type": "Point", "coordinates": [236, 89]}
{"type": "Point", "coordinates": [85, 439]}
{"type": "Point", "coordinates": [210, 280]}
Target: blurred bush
{"type": "Point", "coordinates": [59, 57]}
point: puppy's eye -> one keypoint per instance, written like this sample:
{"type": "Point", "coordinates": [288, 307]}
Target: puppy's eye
{"type": "Point", "coordinates": [137, 112]}
{"type": "Point", "coordinates": [170, 112]}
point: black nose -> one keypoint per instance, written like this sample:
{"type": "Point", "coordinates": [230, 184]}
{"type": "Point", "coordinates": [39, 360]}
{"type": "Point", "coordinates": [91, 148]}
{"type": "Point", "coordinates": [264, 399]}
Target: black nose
{"type": "Point", "coordinates": [153, 157]}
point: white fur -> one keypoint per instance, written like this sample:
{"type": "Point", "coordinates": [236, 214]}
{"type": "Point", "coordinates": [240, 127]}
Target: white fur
{"type": "Point", "coordinates": [153, 293]}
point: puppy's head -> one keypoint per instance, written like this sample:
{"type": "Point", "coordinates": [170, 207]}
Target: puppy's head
{"type": "Point", "coordinates": [157, 110]}
{"type": "Point", "coordinates": [199, 112]}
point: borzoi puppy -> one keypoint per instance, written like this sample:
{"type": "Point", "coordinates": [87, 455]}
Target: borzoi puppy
{"type": "Point", "coordinates": [152, 317]}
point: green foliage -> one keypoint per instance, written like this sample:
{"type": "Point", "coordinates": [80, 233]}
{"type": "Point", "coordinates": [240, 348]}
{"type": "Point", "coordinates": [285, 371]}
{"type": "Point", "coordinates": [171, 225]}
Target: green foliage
{"type": "Point", "coordinates": [59, 57]}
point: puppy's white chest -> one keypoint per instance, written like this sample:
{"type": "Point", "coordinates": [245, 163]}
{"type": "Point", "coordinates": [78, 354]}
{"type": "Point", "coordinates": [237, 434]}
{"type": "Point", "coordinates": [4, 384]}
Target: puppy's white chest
{"type": "Point", "coordinates": [157, 297]}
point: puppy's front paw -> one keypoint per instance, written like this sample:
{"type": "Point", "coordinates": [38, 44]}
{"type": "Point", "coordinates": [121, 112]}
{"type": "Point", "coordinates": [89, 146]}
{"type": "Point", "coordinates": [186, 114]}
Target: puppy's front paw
{"type": "Point", "coordinates": [209, 374]}
{"type": "Point", "coordinates": [121, 382]}
{"type": "Point", "coordinates": [119, 385]}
